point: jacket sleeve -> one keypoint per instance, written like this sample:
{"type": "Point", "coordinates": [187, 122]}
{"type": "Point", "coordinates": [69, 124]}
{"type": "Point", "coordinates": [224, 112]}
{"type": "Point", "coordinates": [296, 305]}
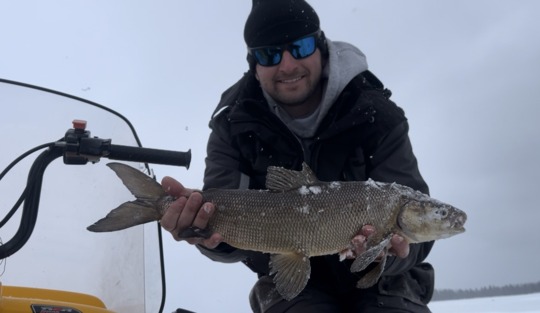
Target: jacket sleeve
{"type": "Point", "coordinates": [222, 172]}
{"type": "Point", "coordinates": [394, 161]}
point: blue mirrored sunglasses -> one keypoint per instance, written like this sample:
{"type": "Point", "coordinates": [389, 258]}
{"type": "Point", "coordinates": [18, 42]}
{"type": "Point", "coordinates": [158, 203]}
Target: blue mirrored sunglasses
{"type": "Point", "coordinates": [272, 55]}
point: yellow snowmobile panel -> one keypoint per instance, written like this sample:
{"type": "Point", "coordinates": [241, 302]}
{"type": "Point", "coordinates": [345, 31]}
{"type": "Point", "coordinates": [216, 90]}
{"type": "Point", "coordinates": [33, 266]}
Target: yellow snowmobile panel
{"type": "Point", "coordinates": [32, 300]}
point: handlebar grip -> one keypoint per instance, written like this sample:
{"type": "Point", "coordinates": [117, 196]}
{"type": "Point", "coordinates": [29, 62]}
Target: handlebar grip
{"type": "Point", "coordinates": [147, 155]}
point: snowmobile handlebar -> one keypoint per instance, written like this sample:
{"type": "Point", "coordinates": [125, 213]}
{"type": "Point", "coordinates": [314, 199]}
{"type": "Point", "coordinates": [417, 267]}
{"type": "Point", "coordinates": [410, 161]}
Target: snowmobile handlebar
{"type": "Point", "coordinates": [77, 147]}
{"type": "Point", "coordinates": [80, 148]}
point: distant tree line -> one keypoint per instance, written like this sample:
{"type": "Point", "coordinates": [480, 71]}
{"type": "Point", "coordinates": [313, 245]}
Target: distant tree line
{"type": "Point", "coordinates": [490, 291]}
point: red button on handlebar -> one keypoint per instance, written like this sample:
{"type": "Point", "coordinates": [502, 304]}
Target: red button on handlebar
{"type": "Point", "coordinates": [79, 124]}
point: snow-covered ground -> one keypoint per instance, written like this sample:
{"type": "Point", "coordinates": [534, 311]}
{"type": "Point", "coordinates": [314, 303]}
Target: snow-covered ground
{"type": "Point", "coordinates": [515, 304]}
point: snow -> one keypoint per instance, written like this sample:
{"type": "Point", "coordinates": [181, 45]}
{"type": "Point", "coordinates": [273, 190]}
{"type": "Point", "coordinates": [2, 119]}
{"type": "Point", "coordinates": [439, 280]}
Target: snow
{"type": "Point", "coordinates": [372, 183]}
{"type": "Point", "coordinates": [345, 254]}
{"type": "Point", "coordinates": [306, 190]}
{"type": "Point", "coordinates": [303, 191]}
{"type": "Point", "coordinates": [335, 185]}
{"type": "Point", "coordinates": [303, 209]}
{"type": "Point", "coordinates": [515, 304]}
{"type": "Point", "coordinates": [315, 190]}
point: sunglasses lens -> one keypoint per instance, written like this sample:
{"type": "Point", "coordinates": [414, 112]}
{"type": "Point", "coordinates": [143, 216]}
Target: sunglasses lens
{"type": "Point", "coordinates": [303, 48]}
{"type": "Point", "coordinates": [268, 56]}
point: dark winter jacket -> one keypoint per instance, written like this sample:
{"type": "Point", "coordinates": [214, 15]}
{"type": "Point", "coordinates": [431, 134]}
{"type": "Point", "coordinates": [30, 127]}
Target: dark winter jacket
{"type": "Point", "coordinates": [363, 135]}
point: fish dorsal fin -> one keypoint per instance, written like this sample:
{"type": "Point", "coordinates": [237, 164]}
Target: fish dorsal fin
{"type": "Point", "coordinates": [282, 179]}
{"type": "Point", "coordinates": [142, 186]}
{"type": "Point", "coordinates": [292, 271]}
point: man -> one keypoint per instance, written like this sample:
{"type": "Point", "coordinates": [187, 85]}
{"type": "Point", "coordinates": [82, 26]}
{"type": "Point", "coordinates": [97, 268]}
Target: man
{"type": "Point", "coordinates": [308, 99]}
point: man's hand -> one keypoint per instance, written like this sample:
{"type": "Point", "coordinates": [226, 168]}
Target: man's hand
{"type": "Point", "coordinates": [398, 245]}
{"type": "Point", "coordinates": [188, 210]}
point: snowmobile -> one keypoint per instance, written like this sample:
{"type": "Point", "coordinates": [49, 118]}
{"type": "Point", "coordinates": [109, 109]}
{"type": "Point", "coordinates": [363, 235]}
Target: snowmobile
{"type": "Point", "coordinates": [52, 263]}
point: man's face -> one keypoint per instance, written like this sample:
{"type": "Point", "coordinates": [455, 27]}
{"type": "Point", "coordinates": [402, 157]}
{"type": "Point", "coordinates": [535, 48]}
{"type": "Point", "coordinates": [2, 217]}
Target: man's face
{"type": "Point", "coordinates": [292, 82]}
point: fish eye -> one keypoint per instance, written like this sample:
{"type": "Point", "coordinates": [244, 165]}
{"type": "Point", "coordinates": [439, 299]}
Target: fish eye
{"type": "Point", "coordinates": [442, 212]}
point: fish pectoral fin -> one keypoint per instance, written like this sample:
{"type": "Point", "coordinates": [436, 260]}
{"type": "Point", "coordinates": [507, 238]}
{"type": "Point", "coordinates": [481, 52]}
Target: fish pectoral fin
{"type": "Point", "coordinates": [371, 277]}
{"type": "Point", "coordinates": [126, 215]}
{"type": "Point", "coordinates": [292, 273]}
{"type": "Point", "coordinates": [366, 258]}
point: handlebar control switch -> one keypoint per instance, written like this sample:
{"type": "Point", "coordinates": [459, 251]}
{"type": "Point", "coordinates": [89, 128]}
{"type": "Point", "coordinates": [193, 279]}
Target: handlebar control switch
{"type": "Point", "coordinates": [72, 140]}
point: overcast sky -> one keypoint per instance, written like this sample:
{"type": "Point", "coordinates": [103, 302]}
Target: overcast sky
{"type": "Point", "coordinates": [466, 72]}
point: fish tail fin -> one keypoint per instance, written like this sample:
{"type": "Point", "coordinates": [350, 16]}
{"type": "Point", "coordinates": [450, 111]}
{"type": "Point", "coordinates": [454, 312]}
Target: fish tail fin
{"type": "Point", "coordinates": [144, 209]}
{"type": "Point", "coordinates": [126, 215]}
{"type": "Point", "coordinates": [142, 186]}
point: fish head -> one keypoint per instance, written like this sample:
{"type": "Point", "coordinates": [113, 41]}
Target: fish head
{"type": "Point", "coordinates": [424, 219]}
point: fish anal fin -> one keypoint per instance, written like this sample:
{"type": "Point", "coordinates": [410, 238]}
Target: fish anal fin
{"type": "Point", "coordinates": [292, 272]}
{"type": "Point", "coordinates": [126, 215]}
{"type": "Point", "coordinates": [282, 179]}
{"type": "Point", "coordinates": [366, 258]}
{"type": "Point", "coordinates": [371, 277]}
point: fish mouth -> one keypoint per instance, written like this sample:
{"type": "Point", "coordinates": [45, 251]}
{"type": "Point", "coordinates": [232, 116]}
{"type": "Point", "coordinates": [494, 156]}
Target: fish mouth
{"type": "Point", "coordinates": [458, 221]}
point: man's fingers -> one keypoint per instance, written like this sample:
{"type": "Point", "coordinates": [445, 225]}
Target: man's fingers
{"type": "Point", "coordinates": [399, 246]}
{"type": "Point", "coordinates": [209, 243]}
{"type": "Point", "coordinates": [359, 243]}
{"type": "Point", "coordinates": [170, 218]}
{"type": "Point", "coordinates": [203, 216]}
{"type": "Point", "coordinates": [183, 212]}
{"type": "Point", "coordinates": [175, 188]}
{"type": "Point", "coordinates": [187, 211]}
{"type": "Point", "coordinates": [190, 211]}
{"type": "Point", "coordinates": [368, 230]}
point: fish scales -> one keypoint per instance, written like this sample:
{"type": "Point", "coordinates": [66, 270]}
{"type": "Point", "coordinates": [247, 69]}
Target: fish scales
{"type": "Point", "coordinates": [316, 222]}
{"type": "Point", "coordinates": [299, 217]}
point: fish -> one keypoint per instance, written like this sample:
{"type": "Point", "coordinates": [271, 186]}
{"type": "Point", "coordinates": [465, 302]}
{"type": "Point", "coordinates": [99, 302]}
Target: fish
{"type": "Point", "coordinates": [298, 217]}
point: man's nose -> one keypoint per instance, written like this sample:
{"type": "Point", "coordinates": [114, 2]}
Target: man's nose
{"type": "Point", "coordinates": [288, 62]}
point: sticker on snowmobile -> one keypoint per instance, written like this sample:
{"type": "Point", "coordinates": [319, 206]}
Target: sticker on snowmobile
{"type": "Point", "coordinates": [39, 308]}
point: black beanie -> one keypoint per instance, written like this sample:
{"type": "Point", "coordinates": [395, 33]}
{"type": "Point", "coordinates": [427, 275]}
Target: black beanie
{"type": "Point", "coordinates": [279, 21]}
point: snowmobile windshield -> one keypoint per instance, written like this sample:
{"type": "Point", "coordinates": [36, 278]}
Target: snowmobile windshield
{"type": "Point", "coordinates": [121, 268]}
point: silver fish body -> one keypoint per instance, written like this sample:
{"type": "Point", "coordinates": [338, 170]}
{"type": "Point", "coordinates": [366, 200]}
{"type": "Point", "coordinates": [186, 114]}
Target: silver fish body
{"type": "Point", "coordinates": [299, 217]}
{"type": "Point", "coordinates": [315, 220]}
